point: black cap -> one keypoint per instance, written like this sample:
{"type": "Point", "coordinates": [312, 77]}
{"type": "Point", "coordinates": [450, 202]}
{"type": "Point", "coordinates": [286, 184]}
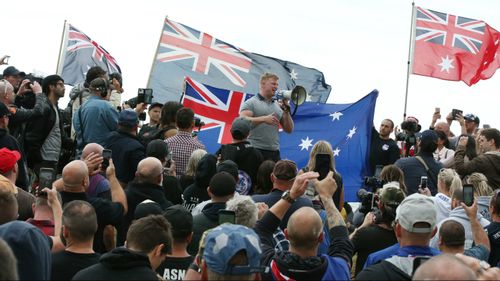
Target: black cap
{"type": "Point", "coordinates": [179, 218]}
{"type": "Point", "coordinates": [146, 208]}
{"type": "Point", "coordinates": [12, 71]}
{"type": "Point", "coordinates": [228, 166]}
{"type": "Point", "coordinates": [157, 149]}
{"type": "Point", "coordinates": [4, 110]}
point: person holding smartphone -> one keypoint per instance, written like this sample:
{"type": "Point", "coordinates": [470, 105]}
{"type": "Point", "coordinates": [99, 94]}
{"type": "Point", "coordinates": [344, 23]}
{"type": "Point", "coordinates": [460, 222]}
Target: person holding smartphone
{"type": "Point", "coordinates": [321, 160]}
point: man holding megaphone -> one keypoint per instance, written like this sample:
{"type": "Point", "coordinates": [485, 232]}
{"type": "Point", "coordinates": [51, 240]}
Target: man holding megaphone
{"type": "Point", "coordinates": [266, 114]}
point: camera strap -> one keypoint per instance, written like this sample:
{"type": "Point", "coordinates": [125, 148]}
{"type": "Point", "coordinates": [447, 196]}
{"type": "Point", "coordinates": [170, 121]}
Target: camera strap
{"type": "Point", "coordinates": [421, 160]}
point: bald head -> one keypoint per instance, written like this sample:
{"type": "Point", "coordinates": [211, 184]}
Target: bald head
{"type": "Point", "coordinates": [304, 228]}
{"type": "Point", "coordinates": [444, 127]}
{"type": "Point", "coordinates": [75, 175]}
{"type": "Point", "coordinates": [149, 170]}
{"type": "Point", "coordinates": [91, 147]}
{"type": "Point", "coordinates": [433, 269]}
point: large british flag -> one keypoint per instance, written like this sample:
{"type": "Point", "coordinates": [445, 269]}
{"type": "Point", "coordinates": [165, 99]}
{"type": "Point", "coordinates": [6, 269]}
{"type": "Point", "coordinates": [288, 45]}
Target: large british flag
{"type": "Point", "coordinates": [81, 53]}
{"type": "Point", "coordinates": [186, 52]}
{"type": "Point", "coordinates": [217, 108]}
{"type": "Point", "coordinates": [452, 47]}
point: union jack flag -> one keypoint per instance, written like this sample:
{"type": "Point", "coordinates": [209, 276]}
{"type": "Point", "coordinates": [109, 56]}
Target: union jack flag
{"type": "Point", "coordinates": [453, 48]}
{"type": "Point", "coordinates": [183, 43]}
{"type": "Point", "coordinates": [449, 30]}
{"type": "Point", "coordinates": [80, 54]}
{"type": "Point", "coordinates": [217, 108]}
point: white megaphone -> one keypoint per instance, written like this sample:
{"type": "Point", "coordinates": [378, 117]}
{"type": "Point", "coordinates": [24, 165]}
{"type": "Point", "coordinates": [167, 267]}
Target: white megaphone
{"type": "Point", "coordinates": [298, 95]}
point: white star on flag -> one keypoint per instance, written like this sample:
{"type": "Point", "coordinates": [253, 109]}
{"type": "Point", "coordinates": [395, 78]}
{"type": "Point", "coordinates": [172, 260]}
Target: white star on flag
{"type": "Point", "coordinates": [336, 152]}
{"type": "Point", "coordinates": [336, 115]}
{"type": "Point", "coordinates": [294, 75]}
{"type": "Point", "coordinates": [446, 64]}
{"type": "Point", "coordinates": [351, 132]}
{"type": "Point", "coordinates": [305, 144]}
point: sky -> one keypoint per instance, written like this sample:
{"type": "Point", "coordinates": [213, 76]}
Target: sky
{"type": "Point", "coordinates": [359, 45]}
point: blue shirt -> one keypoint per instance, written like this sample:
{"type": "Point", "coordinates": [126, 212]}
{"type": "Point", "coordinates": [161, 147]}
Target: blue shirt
{"type": "Point", "coordinates": [388, 252]}
{"type": "Point", "coordinates": [98, 119]}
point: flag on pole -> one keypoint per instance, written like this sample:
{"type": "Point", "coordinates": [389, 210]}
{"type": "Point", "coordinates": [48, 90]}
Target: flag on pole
{"type": "Point", "coordinates": [453, 47]}
{"type": "Point", "coordinates": [79, 53]}
{"type": "Point", "coordinates": [185, 52]}
{"type": "Point", "coordinates": [346, 126]}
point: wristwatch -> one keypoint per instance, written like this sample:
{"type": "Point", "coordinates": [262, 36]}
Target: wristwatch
{"type": "Point", "coordinates": [286, 196]}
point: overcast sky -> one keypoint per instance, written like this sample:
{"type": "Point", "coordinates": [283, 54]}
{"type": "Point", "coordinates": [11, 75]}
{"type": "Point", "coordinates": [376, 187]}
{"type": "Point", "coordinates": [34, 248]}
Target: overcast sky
{"type": "Point", "coordinates": [358, 45]}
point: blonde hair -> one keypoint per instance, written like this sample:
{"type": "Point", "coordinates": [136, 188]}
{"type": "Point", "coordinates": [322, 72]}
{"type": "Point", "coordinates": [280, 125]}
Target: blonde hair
{"type": "Point", "coordinates": [456, 188]}
{"type": "Point", "coordinates": [193, 161]}
{"type": "Point", "coordinates": [321, 147]}
{"type": "Point", "coordinates": [447, 176]}
{"type": "Point", "coordinates": [480, 183]}
{"type": "Point", "coordinates": [267, 76]}
{"type": "Point", "coordinates": [5, 87]}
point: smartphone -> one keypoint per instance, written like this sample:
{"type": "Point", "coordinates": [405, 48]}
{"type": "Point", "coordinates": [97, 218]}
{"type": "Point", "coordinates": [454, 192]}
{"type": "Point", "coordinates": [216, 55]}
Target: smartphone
{"type": "Point", "coordinates": [106, 155]}
{"type": "Point", "coordinates": [468, 195]}
{"type": "Point", "coordinates": [437, 110]}
{"type": "Point", "coordinates": [322, 165]}
{"type": "Point", "coordinates": [145, 95]}
{"type": "Point", "coordinates": [456, 112]}
{"type": "Point", "coordinates": [227, 216]}
{"type": "Point", "coordinates": [45, 178]}
{"type": "Point", "coordinates": [423, 182]}
{"type": "Point", "coordinates": [169, 160]}
{"type": "Point", "coordinates": [486, 126]}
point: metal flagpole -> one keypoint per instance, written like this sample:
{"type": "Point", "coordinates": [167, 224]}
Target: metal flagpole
{"type": "Point", "coordinates": [410, 57]}
{"type": "Point", "coordinates": [61, 52]}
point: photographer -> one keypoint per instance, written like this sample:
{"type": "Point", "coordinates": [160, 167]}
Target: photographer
{"type": "Point", "coordinates": [407, 138]}
{"type": "Point", "coordinates": [376, 232]}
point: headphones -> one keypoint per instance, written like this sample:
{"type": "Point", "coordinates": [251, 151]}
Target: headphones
{"type": "Point", "coordinates": [102, 86]}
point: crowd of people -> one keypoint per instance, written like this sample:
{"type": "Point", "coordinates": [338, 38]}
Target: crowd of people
{"type": "Point", "coordinates": [88, 192]}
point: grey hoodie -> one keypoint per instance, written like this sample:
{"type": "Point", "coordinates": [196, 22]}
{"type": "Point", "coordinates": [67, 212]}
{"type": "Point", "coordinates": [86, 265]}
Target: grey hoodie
{"type": "Point", "coordinates": [458, 214]}
{"type": "Point", "coordinates": [483, 205]}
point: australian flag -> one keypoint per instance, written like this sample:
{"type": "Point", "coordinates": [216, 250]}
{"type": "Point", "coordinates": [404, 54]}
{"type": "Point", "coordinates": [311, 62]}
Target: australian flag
{"type": "Point", "coordinates": [347, 127]}
{"type": "Point", "coordinates": [80, 53]}
{"type": "Point", "coordinates": [184, 51]}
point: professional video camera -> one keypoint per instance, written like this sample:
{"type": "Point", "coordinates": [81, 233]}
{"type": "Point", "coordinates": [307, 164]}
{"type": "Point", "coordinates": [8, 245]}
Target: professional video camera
{"type": "Point", "coordinates": [410, 126]}
{"type": "Point", "coordinates": [369, 200]}
{"type": "Point", "coordinates": [374, 182]}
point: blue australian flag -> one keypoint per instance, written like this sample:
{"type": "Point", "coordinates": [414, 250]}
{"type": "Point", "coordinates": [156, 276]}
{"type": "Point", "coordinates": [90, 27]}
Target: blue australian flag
{"type": "Point", "coordinates": [186, 52]}
{"type": "Point", "coordinates": [347, 127]}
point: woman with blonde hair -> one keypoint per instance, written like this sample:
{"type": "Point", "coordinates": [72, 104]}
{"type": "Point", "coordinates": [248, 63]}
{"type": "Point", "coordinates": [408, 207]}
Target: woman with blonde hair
{"type": "Point", "coordinates": [482, 193]}
{"type": "Point", "coordinates": [188, 178]}
{"type": "Point", "coordinates": [448, 180]}
{"type": "Point", "coordinates": [324, 147]}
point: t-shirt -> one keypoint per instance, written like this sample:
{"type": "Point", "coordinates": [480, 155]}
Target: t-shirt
{"type": "Point", "coordinates": [174, 268]}
{"type": "Point", "coordinates": [371, 239]}
{"type": "Point", "coordinates": [66, 264]}
{"type": "Point", "coordinates": [494, 235]}
{"type": "Point", "coordinates": [382, 152]}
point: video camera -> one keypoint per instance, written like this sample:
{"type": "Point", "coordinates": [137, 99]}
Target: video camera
{"type": "Point", "coordinates": [374, 182]}
{"type": "Point", "coordinates": [369, 201]}
{"type": "Point", "coordinates": [410, 127]}
{"type": "Point", "coordinates": [198, 124]}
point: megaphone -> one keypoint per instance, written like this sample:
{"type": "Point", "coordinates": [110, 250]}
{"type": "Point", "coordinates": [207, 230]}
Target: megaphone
{"type": "Point", "coordinates": [298, 95]}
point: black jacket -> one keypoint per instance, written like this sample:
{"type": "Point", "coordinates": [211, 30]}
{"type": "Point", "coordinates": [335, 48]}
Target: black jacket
{"type": "Point", "coordinates": [128, 151]}
{"type": "Point", "coordinates": [197, 192]}
{"type": "Point", "coordinates": [8, 141]}
{"type": "Point", "coordinates": [207, 219]}
{"type": "Point", "coordinates": [21, 115]}
{"type": "Point", "coordinates": [38, 129]}
{"type": "Point", "coordinates": [119, 264]}
{"type": "Point", "coordinates": [136, 193]}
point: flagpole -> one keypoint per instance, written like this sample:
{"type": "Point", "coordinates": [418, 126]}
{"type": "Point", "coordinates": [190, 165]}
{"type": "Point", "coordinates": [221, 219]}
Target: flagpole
{"type": "Point", "coordinates": [59, 59]}
{"type": "Point", "coordinates": [156, 52]}
{"type": "Point", "coordinates": [411, 44]}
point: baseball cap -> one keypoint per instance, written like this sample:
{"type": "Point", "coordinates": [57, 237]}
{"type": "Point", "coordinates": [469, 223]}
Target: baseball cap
{"type": "Point", "coordinates": [146, 208]}
{"type": "Point", "coordinates": [12, 71]}
{"type": "Point", "coordinates": [180, 219]}
{"type": "Point", "coordinates": [242, 125]}
{"type": "Point", "coordinates": [472, 118]}
{"type": "Point", "coordinates": [428, 136]}
{"type": "Point", "coordinates": [8, 159]}
{"type": "Point", "coordinates": [228, 166]}
{"type": "Point", "coordinates": [4, 110]}
{"type": "Point", "coordinates": [157, 149]}
{"type": "Point", "coordinates": [128, 118]}
{"type": "Point", "coordinates": [391, 195]}
{"type": "Point", "coordinates": [155, 104]}
{"type": "Point", "coordinates": [285, 170]}
{"type": "Point", "coordinates": [416, 208]}
{"type": "Point", "coordinates": [224, 242]}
